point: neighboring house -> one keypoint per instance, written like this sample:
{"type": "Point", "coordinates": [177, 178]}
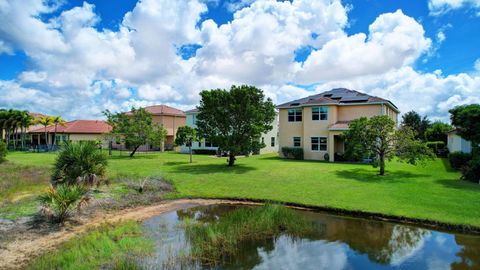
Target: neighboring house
{"type": "Point", "coordinates": [170, 118]}
{"type": "Point", "coordinates": [74, 131]}
{"type": "Point", "coordinates": [270, 138]}
{"type": "Point", "coordinates": [457, 143]}
{"type": "Point", "coordinates": [316, 123]}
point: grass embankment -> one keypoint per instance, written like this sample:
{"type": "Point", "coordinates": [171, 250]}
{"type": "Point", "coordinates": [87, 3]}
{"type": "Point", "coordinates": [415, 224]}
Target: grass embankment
{"type": "Point", "coordinates": [110, 246]}
{"type": "Point", "coordinates": [19, 186]}
{"type": "Point", "coordinates": [213, 242]}
{"type": "Point", "coordinates": [431, 192]}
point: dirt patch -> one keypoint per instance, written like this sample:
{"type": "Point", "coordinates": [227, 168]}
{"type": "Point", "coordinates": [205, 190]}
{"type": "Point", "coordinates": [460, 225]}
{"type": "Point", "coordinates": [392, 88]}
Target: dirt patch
{"type": "Point", "coordinates": [32, 241]}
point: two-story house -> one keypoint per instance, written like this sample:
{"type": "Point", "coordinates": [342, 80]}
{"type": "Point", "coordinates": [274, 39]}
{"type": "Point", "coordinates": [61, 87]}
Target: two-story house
{"type": "Point", "coordinates": [270, 139]}
{"type": "Point", "coordinates": [315, 123]}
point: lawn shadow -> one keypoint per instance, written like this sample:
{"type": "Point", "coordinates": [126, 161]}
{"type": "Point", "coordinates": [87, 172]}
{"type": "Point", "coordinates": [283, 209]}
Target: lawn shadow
{"type": "Point", "coordinates": [181, 167]}
{"type": "Point", "coordinates": [366, 175]}
{"type": "Point", "coordinates": [459, 184]}
{"type": "Point", "coordinates": [127, 157]}
{"type": "Point", "coordinates": [277, 158]}
{"type": "Point", "coordinates": [446, 164]}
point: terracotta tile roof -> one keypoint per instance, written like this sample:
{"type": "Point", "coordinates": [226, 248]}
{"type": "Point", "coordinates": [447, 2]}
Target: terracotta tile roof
{"type": "Point", "coordinates": [340, 125]}
{"type": "Point", "coordinates": [163, 110]}
{"type": "Point", "coordinates": [338, 96]}
{"type": "Point", "coordinates": [78, 127]}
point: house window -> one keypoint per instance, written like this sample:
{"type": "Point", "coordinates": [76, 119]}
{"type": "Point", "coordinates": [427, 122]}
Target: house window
{"type": "Point", "coordinates": [319, 143]}
{"type": "Point", "coordinates": [297, 142]}
{"type": "Point", "coordinates": [199, 144]}
{"type": "Point", "coordinates": [320, 113]}
{"type": "Point", "coordinates": [272, 141]}
{"type": "Point", "coordinates": [295, 115]}
{"type": "Point", "coordinates": [263, 140]}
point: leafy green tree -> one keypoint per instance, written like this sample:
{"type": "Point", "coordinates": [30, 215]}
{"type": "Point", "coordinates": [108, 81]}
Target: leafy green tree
{"type": "Point", "coordinates": [157, 136]}
{"type": "Point", "coordinates": [235, 119]}
{"type": "Point", "coordinates": [134, 128]}
{"type": "Point", "coordinates": [414, 121]}
{"type": "Point", "coordinates": [186, 135]}
{"type": "Point", "coordinates": [57, 120]}
{"type": "Point", "coordinates": [26, 121]}
{"type": "Point", "coordinates": [438, 132]}
{"type": "Point", "coordinates": [466, 120]}
{"type": "Point", "coordinates": [355, 148]}
{"type": "Point", "coordinates": [79, 163]}
{"type": "Point", "coordinates": [379, 137]}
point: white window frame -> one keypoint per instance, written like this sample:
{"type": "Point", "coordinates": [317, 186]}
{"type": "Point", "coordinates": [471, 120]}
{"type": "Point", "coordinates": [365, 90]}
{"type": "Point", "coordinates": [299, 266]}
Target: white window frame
{"type": "Point", "coordinates": [319, 138]}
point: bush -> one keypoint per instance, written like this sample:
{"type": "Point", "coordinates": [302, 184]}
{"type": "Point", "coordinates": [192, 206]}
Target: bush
{"type": "Point", "coordinates": [459, 159]}
{"type": "Point", "coordinates": [471, 171]}
{"type": "Point", "coordinates": [292, 152]}
{"type": "Point", "coordinates": [3, 151]}
{"type": "Point", "coordinates": [59, 202]}
{"type": "Point", "coordinates": [79, 163]}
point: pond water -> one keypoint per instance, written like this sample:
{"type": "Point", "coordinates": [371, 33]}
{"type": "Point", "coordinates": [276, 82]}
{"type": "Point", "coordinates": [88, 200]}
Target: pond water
{"type": "Point", "coordinates": [338, 243]}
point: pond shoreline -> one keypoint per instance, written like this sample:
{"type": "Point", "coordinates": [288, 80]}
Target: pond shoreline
{"type": "Point", "coordinates": [426, 223]}
{"type": "Point", "coordinates": [18, 253]}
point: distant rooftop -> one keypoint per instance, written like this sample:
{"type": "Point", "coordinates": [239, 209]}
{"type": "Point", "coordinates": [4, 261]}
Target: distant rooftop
{"type": "Point", "coordinates": [336, 96]}
{"type": "Point", "coordinates": [78, 127]}
{"type": "Point", "coordinates": [163, 110]}
{"type": "Point", "coordinates": [192, 111]}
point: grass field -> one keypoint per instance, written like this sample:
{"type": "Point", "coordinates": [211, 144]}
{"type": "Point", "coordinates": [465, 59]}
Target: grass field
{"type": "Point", "coordinates": [430, 192]}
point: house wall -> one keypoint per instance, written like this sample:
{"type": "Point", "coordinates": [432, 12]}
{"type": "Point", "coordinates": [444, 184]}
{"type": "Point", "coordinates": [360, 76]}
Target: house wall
{"type": "Point", "coordinates": [351, 112]}
{"type": "Point", "coordinates": [171, 124]}
{"type": "Point", "coordinates": [87, 137]}
{"type": "Point", "coordinates": [288, 130]}
{"type": "Point", "coordinates": [267, 137]}
{"type": "Point", "coordinates": [317, 128]}
{"type": "Point", "coordinates": [458, 144]}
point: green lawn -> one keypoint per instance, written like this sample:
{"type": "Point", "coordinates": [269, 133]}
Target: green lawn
{"type": "Point", "coordinates": [431, 192]}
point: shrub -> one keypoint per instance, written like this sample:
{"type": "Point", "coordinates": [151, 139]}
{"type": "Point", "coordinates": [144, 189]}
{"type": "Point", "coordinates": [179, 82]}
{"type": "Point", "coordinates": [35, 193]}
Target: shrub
{"type": "Point", "coordinates": [292, 152]}
{"type": "Point", "coordinates": [471, 171]}
{"type": "Point", "coordinates": [79, 163]}
{"type": "Point", "coordinates": [3, 151]}
{"type": "Point", "coordinates": [459, 159]}
{"type": "Point", "coordinates": [60, 201]}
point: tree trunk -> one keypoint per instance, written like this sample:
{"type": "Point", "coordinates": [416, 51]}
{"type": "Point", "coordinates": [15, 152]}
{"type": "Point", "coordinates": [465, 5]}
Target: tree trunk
{"type": "Point", "coordinates": [55, 136]}
{"type": "Point", "coordinates": [110, 147]}
{"type": "Point", "coordinates": [46, 138]}
{"type": "Point", "coordinates": [382, 164]}
{"type": "Point", "coordinates": [190, 150]}
{"type": "Point", "coordinates": [134, 150]}
{"type": "Point", "coordinates": [231, 159]}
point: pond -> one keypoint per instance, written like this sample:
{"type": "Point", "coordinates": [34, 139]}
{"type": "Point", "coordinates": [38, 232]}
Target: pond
{"type": "Point", "coordinates": [337, 242]}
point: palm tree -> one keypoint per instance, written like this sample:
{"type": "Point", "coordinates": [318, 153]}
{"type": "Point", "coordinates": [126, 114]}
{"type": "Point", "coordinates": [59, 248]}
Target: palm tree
{"type": "Point", "coordinates": [26, 122]}
{"type": "Point", "coordinates": [45, 121]}
{"type": "Point", "coordinates": [57, 120]}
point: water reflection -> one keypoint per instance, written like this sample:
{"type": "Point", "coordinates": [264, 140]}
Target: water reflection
{"type": "Point", "coordinates": [338, 243]}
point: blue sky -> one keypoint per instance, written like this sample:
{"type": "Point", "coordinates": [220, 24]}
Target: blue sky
{"type": "Point", "coordinates": [167, 51]}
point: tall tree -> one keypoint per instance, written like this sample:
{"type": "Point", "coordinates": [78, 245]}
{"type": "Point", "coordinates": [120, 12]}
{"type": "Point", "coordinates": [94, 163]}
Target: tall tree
{"type": "Point", "coordinates": [134, 128]}
{"type": "Point", "coordinates": [186, 135]}
{"type": "Point", "coordinates": [466, 120]}
{"type": "Point", "coordinates": [415, 122]}
{"type": "Point", "coordinates": [235, 119]}
{"type": "Point", "coordinates": [438, 132]}
{"type": "Point", "coordinates": [157, 136]}
{"type": "Point", "coordinates": [26, 121]}
{"type": "Point", "coordinates": [57, 120]}
{"type": "Point", "coordinates": [45, 121]}
{"type": "Point", "coordinates": [378, 136]}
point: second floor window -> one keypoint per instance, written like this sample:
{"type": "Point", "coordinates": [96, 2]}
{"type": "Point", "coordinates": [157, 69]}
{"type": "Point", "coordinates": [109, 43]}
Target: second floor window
{"type": "Point", "coordinates": [297, 142]}
{"type": "Point", "coordinates": [320, 113]}
{"type": "Point", "coordinates": [295, 115]}
{"type": "Point", "coordinates": [272, 141]}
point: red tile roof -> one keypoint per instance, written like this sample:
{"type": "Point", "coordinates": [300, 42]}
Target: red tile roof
{"type": "Point", "coordinates": [78, 127]}
{"type": "Point", "coordinates": [163, 110]}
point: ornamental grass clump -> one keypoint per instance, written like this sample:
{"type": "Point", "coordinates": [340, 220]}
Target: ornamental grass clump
{"type": "Point", "coordinates": [59, 202]}
{"type": "Point", "coordinates": [215, 241]}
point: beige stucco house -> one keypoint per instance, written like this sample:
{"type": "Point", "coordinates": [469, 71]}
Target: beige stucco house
{"type": "Point", "coordinates": [315, 123]}
{"type": "Point", "coordinates": [168, 117]}
{"type": "Point", "coordinates": [73, 131]}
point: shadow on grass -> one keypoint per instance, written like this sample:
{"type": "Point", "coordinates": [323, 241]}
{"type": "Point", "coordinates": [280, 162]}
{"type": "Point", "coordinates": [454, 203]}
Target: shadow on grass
{"type": "Point", "coordinates": [446, 164]}
{"type": "Point", "coordinates": [365, 175]}
{"type": "Point", "coordinates": [459, 184]}
{"type": "Point", "coordinates": [277, 158]}
{"type": "Point", "coordinates": [136, 156]}
{"type": "Point", "coordinates": [181, 167]}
